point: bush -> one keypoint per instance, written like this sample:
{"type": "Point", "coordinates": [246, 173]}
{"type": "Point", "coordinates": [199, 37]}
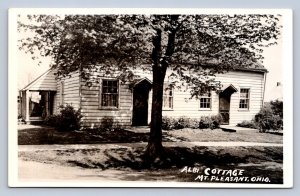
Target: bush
{"type": "Point", "coordinates": [108, 123]}
{"type": "Point", "coordinates": [212, 122]}
{"type": "Point", "coordinates": [168, 123]}
{"type": "Point", "coordinates": [181, 123]}
{"type": "Point", "coordinates": [277, 107]}
{"type": "Point", "coordinates": [248, 124]}
{"type": "Point", "coordinates": [268, 119]}
{"type": "Point", "coordinates": [67, 120]}
{"type": "Point", "coordinates": [194, 123]}
{"type": "Point", "coordinates": [51, 120]}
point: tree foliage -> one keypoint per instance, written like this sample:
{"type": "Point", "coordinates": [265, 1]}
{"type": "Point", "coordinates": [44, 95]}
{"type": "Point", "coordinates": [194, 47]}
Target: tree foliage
{"type": "Point", "coordinates": [193, 47]}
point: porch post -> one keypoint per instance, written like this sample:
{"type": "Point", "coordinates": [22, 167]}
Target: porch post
{"type": "Point", "coordinates": [27, 106]}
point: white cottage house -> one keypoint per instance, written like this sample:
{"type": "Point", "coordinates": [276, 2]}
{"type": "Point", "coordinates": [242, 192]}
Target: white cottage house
{"type": "Point", "coordinates": [129, 104]}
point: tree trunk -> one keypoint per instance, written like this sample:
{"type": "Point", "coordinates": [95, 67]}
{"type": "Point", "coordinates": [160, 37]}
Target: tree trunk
{"type": "Point", "coordinates": [155, 149]}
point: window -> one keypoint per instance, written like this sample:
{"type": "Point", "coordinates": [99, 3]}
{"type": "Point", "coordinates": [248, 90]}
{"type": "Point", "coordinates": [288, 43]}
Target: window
{"type": "Point", "coordinates": [205, 101]}
{"type": "Point", "coordinates": [244, 98]}
{"type": "Point", "coordinates": [110, 93]}
{"type": "Point", "coordinates": [168, 97]}
{"type": "Point", "coordinates": [62, 89]}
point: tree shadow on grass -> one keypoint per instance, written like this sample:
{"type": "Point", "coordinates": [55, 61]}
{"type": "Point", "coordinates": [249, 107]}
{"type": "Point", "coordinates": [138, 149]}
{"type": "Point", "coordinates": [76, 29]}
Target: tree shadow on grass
{"type": "Point", "coordinates": [251, 159]}
{"type": "Point", "coordinates": [48, 135]}
{"type": "Point", "coordinates": [203, 157]}
{"type": "Point", "coordinates": [181, 156]}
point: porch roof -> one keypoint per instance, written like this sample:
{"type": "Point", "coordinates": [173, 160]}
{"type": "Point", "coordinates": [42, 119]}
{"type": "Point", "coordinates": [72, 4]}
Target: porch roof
{"type": "Point", "coordinates": [141, 80]}
{"type": "Point", "coordinates": [229, 88]}
{"type": "Point", "coordinates": [45, 82]}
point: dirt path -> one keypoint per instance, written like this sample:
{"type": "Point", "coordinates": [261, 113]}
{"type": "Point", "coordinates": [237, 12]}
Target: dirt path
{"type": "Point", "coordinates": [31, 171]}
{"type": "Point", "coordinates": [35, 171]}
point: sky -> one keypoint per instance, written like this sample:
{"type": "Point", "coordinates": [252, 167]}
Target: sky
{"type": "Point", "coordinates": [28, 69]}
{"type": "Point", "coordinates": [273, 63]}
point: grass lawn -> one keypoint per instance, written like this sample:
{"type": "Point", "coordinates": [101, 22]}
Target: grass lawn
{"type": "Point", "coordinates": [39, 135]}
{"type": "Point", "coordinates": [217, 135]}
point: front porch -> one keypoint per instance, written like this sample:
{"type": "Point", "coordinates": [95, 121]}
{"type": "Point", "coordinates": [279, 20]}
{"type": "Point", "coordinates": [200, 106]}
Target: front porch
{"type": "Point", "coordinates": [36, 105]}
{"type": "Point", "coordinates": [38, 98]}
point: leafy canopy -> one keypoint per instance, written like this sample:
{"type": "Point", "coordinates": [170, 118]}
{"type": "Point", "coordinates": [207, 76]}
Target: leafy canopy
{"type": "Point", "coordinates": [192, 47]}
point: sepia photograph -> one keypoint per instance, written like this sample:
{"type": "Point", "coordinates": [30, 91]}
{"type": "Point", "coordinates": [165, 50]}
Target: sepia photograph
{"type": "Point", "coordinates": [150, 98]}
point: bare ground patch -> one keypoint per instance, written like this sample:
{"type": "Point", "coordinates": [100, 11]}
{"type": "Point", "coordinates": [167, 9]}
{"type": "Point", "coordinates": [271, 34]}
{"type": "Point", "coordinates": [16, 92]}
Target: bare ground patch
{"type": "Point", "coordinates": [256, 161]}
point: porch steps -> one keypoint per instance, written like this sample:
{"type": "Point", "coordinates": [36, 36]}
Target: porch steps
{"type": "Point", "coordinates": [232, 128]}
{"type": "Point", "coordinates": [35, 121]}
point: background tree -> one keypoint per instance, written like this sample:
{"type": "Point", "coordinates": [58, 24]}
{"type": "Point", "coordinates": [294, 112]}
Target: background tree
{"type": "Point", "coordinates": [192, 47]}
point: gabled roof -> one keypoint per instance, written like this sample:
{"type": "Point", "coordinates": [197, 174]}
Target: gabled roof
{"type": "Point", "coordinates": [138, 81]}
{"type": "Point", "coordinates": [230, 89]}
{"type": "Point", "coordinates": [45, 82]}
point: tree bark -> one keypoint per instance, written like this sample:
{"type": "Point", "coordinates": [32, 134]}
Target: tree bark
{"type": "Point", "coordinates": [161, 62]}
{"type": "Point", "coordinates": [155, 148]}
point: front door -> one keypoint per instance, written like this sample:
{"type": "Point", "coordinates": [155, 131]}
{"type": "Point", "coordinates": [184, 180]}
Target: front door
{"type": "Point", "coordinates": [41, 104]}
{"type": "Point", "coordinates": [140, 105]}
{"type": "Point", "coordinates": [224, 106]}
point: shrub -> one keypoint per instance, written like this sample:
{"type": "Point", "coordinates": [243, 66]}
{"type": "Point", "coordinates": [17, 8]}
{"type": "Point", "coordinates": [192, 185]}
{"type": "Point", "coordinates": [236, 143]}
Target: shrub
{"type": "Point", "coordinates": [181, 123]}
{"type": "Point", "coordinates": [277, 107]}
{"type": "Point", "coordinates": [211, 122]}
{"type": "Point", "coordinates": [109, 124]}
{"type": "Point", "coordinates": [51, 120]}
{"type": "Point", "coordinates": [67, 120]}
{"type": "Point", "coordinates": [268, 119]}
{"type": "Point", "coordinates": [194, 123]}
{"type": "Point", "coordinates": [248, 124]}
{"type": "Point", "coordinates": [204, 123]}
{"type": "Point", "coordinates": [168, 123]}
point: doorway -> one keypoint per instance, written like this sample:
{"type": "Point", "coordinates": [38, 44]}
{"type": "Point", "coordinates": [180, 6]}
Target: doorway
{"type": "Point", "coordinates": [41, 104]}
{"type": "Point", "coordinates": [140, 103]}
{"type": "Point", "coordinates": [224, 106]}
{"type": "Point", "coordinates": [224, 103]}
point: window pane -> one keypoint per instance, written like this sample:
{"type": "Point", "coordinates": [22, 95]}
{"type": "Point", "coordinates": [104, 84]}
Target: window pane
{"type": "Point", "coordinates": [109, 93]}
{"type": "Point", "coordinates": [167, 97]}
{"type": "Point", "coordinates": [244, 98]}
{"type": "Point", "coordinates": [170, 102]}
{"type": "Point", "coordinates": [205, 102]}
{"type": "Point", "coordinates": [104, 100]}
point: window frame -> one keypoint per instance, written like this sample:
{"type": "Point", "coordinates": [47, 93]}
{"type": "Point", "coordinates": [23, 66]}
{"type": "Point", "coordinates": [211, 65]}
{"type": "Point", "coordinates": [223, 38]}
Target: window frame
{"type": "Point", "coordinates": [168, 88]}
{"type": "Point", "coordinates": [209, 96]}
{"type": "Point", "coordinates": [248, 99]}
{"type": "Point", "coordinates": [101, 91]}
{"type": "Point", "coordinates": [62, 92]}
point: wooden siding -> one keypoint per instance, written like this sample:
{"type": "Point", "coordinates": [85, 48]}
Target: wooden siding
{"type": "Point", "coordinates": [94, 115]}
{"type": "Point", "coordinates": [184, 106]}
{"type": "Point", "coordinates": [70, 92]}
{"type": "Point", "coordinates": [251, 80]}
{"type": "Point", "coordinates": [46, 82]}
